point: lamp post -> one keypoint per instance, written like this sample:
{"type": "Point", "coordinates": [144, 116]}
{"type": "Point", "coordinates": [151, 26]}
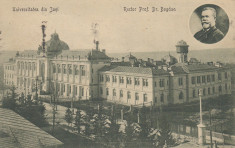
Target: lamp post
{"type": "Point", "coordinates": [201, 126]}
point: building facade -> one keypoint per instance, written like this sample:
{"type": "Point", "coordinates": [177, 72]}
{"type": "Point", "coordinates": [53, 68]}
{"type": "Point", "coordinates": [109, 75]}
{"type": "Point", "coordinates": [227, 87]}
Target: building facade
{"type": "Point", "coordinates": [90, 74]}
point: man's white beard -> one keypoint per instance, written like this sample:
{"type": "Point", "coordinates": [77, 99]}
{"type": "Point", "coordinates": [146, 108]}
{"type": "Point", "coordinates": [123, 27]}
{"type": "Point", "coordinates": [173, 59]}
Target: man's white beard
{"type": "Point", "coordinates": [206, 25]}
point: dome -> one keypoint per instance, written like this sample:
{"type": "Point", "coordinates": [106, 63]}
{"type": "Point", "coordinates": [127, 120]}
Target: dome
{"type": "Point", "coordinates": [181, 43]}
{"type": "Point", "coordinates": [55, 44]}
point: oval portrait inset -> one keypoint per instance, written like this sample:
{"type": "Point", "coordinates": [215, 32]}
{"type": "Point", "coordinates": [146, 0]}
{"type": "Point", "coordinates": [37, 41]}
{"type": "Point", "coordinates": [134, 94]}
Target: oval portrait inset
{"type": "Point", "coordinates": [209, 24]}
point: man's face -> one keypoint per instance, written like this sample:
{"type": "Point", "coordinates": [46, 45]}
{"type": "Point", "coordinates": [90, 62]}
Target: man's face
{"type": "Point", "coordinates": [208, 19]}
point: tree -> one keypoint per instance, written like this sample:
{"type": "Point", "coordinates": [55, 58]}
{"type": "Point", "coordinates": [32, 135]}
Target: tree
{"type": "Point", "coordinates": [144, 138]}
{"type": "Point", "coordinates": [113, 134]}
{"type": "Point", "coordinates": [164, 136]}
{"type": "Point", "coordinates": [10, 101]}
{"type": "Point", "coordinates": [78, 120]}
{"type": "Point", "coordinates": [129, 135]}
{"type": "Point", "coordinates": [68, 116]}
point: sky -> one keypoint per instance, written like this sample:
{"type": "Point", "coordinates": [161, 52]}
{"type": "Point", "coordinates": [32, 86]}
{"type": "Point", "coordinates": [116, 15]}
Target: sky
{"type": "Point", "coordinates": [118, 31]}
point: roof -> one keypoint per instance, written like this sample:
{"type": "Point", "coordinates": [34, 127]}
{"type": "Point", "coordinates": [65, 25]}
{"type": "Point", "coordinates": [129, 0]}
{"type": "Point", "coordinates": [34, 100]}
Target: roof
{"type": "Point", "coordinates": [83, 54]}
{"type": "Point", "coordinates": [15, 131]}
{"type": "Point", "coordinates": [182, 68]}
{"type": "Point", "coordinates": [138, 70]}
{"type": "Point", "coordinates": [29, 53]}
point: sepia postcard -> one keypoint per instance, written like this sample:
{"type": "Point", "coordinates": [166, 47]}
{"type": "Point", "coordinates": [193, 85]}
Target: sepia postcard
{"type": "Point", "coordinates": [117, 73]}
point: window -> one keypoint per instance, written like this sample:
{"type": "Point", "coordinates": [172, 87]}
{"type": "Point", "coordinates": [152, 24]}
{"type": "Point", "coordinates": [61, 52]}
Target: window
{"type": "Point", "coordinates": [161, 83]}
{"type": "Point", "coordinates": [209, 91]}
{"type": "Point", "coordinates": [54, 68]}
{"type": "Point", "coordinates": [181, 95]}
{"type": "Point", "coordinates": [219, 76]}
{"type": "Point", "coordinates": [121, 79]}
{"type": "Point", "coordinates": [70, 69]}
{"type": "Point", "coordinates": [145, 98]}
{"type": "Point", "coordinates": [63, 87]}
{"type": "Point", "coordinates": [137, 81]}
{"type": "Point", "coordinates": [193, 80]}
{"type": "Point", "coordinates": [136, 96]}
{"type": "Point", "coordinates": [208, 78]}
{"type": "Point", "coordinates": [114, 79]}
{"type": "Point", "coordinates": [29, 66]}
{"type": "Point", "coordinates": [162, 98]}
{"type": "Point", "coordinates": [128, 80]}
{"type": "Point", "coordinates": [203, 79]}
{"type": "Point", "coordinates": [225, 75]}
{"type": "Point", "coordinates": [194, 93]}
{"type": "Point", "coordinates": [145, 82]}
{"type": "Point", "coordinates": [213, 90]}
{"type": "Point", "coordinates": [34, 66]}
{"type": "Point", "coordinates": [198, 79]}
{"type": "Point", "coordinates": [75, 67]}
{"type": "Point", "coordinates": [213, 78]}
{"type": "Point", "coordinates": [75, 90]}
{"type": "Point", "coordinates": [107, 78]}
{"type": "Point", "coordinates": [114, 92]}
{"type": "Point", "coordinates": [107, 91]}
{"type": "Point", "coordinates": [180, 81]}
{"type": "Point", "coordinates": [101, 78]}
{"type": "Point", "coordinates": [83, 71]}
{"type": "Point", "coordinates": [101, 90]}
{"type": "Point", "coordinates": [155, 84]}
{"type": "Point", "coordinates": [204, 91]}
{"type": "Point", "coordinates": [128, 95]}
{"type": "Point", "coordinates": [226, 86]}
{"type": "Point", "coordinates": [59, 68]}
{"type": "Point", "coordinates": [220, 88]}
{"type": "Point", "coordinates": [121, 93]}
{"type": "Point", "coordinates": [64, 69]}
{"type": "Point", "coordinates": [82, 91]}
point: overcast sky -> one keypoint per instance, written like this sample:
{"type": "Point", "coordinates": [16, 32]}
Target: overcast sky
{"type": "Point", "coordinates": [118, 31]}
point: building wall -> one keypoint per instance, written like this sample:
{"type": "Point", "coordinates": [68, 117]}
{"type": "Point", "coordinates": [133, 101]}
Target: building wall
{"type": "Point", "coordinates": [161, 90]}
{"type": "Point", "coordinates": [135, 93]}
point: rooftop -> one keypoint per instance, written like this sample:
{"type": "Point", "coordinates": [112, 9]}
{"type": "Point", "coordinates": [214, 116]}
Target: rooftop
{"type": "Point", "coordinates": [138, 70]}
{"type": "Point", "coordinates": [15, 131]}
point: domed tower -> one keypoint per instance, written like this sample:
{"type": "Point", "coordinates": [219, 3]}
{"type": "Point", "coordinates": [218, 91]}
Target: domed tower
{"type": "Point", "coordinates": [182, 50]}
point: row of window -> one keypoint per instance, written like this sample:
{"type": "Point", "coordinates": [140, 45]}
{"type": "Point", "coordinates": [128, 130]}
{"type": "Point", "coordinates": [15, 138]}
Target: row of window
{"type": "Point", "coordinates": [9, 76]}
{"type": "Point", "coordinates": [26, 66]}
{"type": "Point", "coordinates": [122, 81]}
{"type": "Point", "coordinates": [69, 69]}
{"type": "Point", "coordinates": [209, 90]}
{"type": "Point", "coordinates": [129, 80]}
{"type": "Point", "coordinates": [9, 67]}
{"type": "Point", "coordinates": [114, 94]}
{"type": "Point", "coordinates": [207, 78]}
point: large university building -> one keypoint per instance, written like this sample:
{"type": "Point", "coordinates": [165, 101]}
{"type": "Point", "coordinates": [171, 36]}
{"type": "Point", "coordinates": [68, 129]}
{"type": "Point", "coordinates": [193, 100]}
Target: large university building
{"type": "Point", "coordinates": [91, 74]}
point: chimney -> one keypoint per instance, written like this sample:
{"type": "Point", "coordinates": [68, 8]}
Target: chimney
{"type": "Point", "coordinates": [152, 61]}
{"type": "Point", "coordinates": [148, 59]}
{"type": "Point", "coordinates": [103, 50]}
{"type": "Point", "coordinates": [97, 45]}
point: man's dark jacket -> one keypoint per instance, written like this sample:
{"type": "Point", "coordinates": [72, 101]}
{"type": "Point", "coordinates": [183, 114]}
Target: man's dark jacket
{"type": "Point", "coordinates": [213, 35]}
